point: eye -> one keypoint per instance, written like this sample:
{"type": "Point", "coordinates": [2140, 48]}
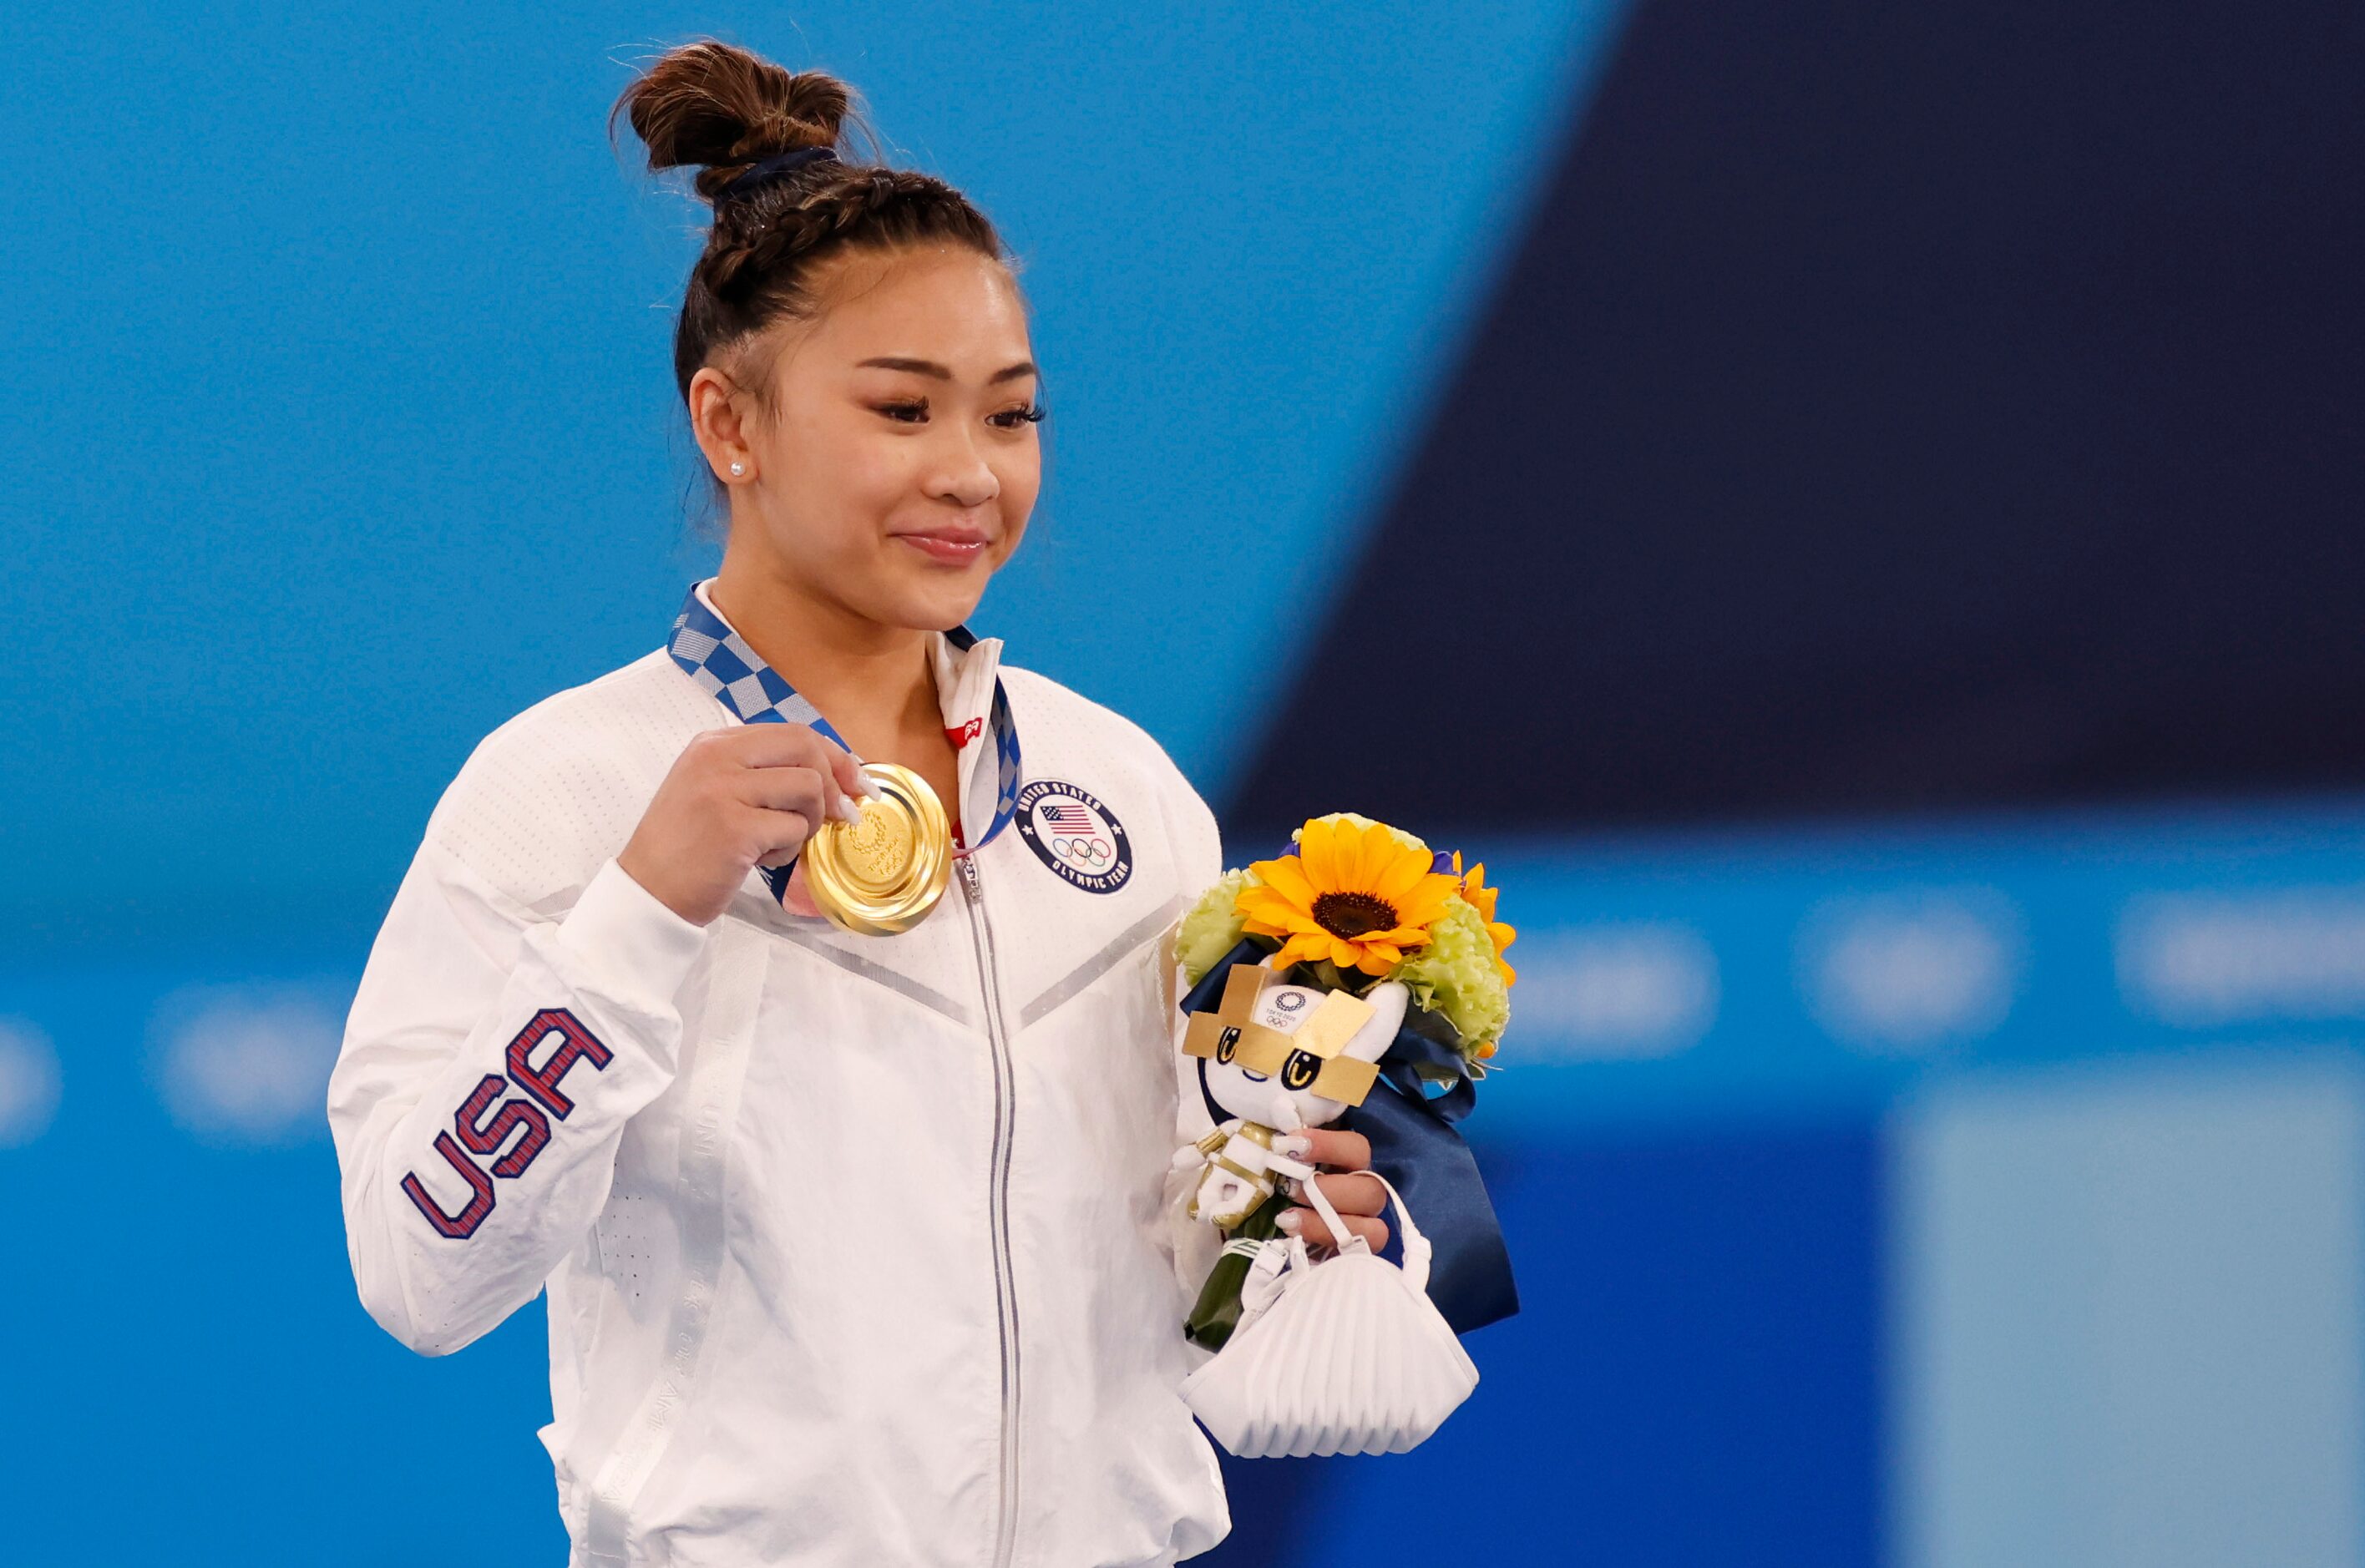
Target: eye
{"type": "Point", "coordinates": [1226, 1044]}
{"type": "Point", "coordinates": [1013, 418]}
{"type": "Point", "coordinates": [906, 413]}
{"type": "Point", "coordinates": [1300, 1070]}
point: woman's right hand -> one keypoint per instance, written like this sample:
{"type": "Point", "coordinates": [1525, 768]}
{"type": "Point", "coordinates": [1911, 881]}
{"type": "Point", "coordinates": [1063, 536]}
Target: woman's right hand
{"type": "Point", "coordinates": [734, 800]}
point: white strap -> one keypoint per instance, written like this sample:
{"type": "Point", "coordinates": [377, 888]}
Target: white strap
{"type": "Point", "coordinates": [1270, 1272]}
{"type": "Point", "coordinates": [1416, 1245]}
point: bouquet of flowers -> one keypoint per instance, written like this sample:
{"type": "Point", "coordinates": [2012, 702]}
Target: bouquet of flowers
{"type": "Point", "coordinates": [1356, 958]}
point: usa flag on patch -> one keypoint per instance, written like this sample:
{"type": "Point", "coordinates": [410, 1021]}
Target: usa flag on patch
{"type": "Point", "coordinates": [1061, 815]}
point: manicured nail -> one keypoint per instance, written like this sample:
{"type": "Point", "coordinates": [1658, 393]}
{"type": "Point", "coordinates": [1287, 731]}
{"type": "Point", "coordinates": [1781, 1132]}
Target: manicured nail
{"type": "Point", "coordinates": [1289, 1222]}
{"type": "Point", "coordinates": [864, 782]}
{"type": "Point", "coordinates": [1296, 1146]}
{"type": "Point", "coordinates": [847, 811]}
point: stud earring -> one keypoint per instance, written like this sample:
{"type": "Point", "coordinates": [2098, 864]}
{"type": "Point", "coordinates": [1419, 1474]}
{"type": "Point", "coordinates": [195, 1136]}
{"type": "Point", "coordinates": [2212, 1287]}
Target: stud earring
{"type": "Point", "coordinates": [737, 469]}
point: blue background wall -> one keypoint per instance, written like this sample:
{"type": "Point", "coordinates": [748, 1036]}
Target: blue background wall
{"type": "Point", "coordinates": [1895, 473]}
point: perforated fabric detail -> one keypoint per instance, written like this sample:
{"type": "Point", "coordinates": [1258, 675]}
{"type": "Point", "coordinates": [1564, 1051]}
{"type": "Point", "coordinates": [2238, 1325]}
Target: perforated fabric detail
{"type": "Point", "coordinates": [625, 1255]}
{"type": "Point", "coordinates": [550, 795]}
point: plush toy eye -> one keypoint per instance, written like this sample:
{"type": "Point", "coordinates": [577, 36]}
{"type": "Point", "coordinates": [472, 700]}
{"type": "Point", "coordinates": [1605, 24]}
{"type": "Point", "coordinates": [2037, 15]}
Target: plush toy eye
{"type": "Point", "coordinates": [1228, 1042]}
{"type": "Point", "coordinates": [1300, 1070]}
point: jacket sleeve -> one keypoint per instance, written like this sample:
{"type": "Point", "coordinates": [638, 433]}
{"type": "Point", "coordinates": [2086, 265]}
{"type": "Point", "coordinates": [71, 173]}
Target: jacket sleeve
{"type": "Point", "coordinates": [491, 1062]}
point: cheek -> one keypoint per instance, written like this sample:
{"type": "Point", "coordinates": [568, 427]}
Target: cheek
{"type": "Point", "coordinates": [874, 478]}
{"type": "Point", "coordinates": [1021, 476]}
{"type": "Point", "coordinates": [848, 519]}
{"type": "Point", "coordinates": [842, 477]}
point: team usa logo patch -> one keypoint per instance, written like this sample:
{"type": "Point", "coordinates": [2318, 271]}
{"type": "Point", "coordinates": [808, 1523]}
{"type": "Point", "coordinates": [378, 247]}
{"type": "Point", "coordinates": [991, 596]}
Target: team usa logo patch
{"type": "Point", "coordinates": [1073, 833]}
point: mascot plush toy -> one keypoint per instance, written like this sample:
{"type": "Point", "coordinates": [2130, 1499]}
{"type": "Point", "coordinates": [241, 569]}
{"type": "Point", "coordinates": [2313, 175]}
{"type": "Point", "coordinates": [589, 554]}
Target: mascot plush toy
{"type": "Point", "coordinates": [1279, 1057]}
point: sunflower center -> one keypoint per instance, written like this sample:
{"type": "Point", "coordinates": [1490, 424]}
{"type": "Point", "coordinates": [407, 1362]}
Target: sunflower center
{"type": "Point", "coordinates": [1349, 916]}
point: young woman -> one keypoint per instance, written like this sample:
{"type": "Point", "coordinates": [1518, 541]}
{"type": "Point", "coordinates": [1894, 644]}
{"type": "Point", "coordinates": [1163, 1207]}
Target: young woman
{"type": "Point", "coordinates": [859, 1249]}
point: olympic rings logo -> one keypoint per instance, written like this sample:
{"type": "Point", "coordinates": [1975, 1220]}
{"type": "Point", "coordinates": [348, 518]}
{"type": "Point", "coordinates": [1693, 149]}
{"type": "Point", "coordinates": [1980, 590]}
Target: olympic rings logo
{"type": "Point", "coordinates": [1094, 852]}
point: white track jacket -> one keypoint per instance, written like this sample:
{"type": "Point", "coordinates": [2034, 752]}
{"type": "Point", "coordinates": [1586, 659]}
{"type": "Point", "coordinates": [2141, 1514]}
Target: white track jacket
{"type": "Point", "coordinates": [858, 1250]}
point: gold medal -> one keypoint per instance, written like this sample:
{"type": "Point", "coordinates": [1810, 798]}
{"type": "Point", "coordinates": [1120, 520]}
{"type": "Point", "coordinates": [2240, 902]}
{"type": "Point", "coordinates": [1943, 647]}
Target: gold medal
{"type": "Point", "coordinates": [883, 874]}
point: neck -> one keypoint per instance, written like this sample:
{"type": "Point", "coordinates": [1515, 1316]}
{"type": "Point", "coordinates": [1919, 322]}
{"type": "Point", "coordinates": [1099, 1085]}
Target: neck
{"type": "Point", "coordinates": [874, 683]}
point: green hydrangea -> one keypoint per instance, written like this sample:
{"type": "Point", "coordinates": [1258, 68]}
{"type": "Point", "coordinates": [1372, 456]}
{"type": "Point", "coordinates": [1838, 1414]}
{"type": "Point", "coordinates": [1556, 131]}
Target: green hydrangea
{"type": "Point", "coordinates": [1213, 928]}
{"type": "Point", "coordinates": [1454, 972]}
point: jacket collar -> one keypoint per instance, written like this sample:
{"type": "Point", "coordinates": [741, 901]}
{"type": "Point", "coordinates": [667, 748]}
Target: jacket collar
{"type": "Point", "coordinates": [969, 692]}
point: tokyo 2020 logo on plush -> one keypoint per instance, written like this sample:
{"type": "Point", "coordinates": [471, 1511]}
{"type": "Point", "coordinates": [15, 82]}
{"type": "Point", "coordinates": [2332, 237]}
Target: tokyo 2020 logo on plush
{"type": "Point", "coordinates": [1073, 833]}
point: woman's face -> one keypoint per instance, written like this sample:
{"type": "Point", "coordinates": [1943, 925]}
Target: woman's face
{"type": "Point", "coordinates": [900, 464]}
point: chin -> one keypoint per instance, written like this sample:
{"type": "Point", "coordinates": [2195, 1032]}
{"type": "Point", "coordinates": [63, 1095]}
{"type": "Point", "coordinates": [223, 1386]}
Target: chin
{"type": "Point", "coordinates": [937, 606]}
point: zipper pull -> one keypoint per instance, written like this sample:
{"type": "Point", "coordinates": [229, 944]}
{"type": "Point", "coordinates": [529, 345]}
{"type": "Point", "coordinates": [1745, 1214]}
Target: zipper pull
{"type": "Point", "coordinates": [967, 864]}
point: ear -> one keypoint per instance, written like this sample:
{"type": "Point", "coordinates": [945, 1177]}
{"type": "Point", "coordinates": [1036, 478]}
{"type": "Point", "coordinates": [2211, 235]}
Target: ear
{"type": "Point", "coordinates": [1388, 999]}
{"type": "Point", "coordinates": [717, 420]}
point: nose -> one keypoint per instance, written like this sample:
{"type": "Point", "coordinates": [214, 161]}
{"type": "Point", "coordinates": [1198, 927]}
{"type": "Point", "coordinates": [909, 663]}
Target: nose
{"type": "Point", "coordinates": [963, 475]}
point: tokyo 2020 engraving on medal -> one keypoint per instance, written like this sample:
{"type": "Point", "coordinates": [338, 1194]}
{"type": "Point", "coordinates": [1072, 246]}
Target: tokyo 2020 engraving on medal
{"type": "Point", "coordinates": [1073, 833]}
{"type": "Point", "coordinates": [883, 874]}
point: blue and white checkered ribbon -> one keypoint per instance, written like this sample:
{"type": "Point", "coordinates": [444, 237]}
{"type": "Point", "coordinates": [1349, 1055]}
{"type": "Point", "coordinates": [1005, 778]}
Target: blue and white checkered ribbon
{"type": "Point", "coordinates": [718, 659]}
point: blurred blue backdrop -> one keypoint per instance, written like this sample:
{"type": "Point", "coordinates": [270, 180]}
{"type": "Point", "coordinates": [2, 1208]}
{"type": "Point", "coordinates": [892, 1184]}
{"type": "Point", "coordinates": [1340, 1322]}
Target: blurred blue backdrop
{"type": "Point", "coordinates": [1897, 473]}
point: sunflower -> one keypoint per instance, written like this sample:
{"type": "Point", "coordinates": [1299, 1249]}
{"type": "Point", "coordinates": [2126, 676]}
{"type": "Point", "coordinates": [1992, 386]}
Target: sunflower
{"type": "Point", "coordinates": [1480, 897]}
{"type": "Point", "coordinates": [1354, 893]}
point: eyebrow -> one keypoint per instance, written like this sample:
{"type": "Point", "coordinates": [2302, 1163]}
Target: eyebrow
{"type": "Point", "coordinates": [930, 367]}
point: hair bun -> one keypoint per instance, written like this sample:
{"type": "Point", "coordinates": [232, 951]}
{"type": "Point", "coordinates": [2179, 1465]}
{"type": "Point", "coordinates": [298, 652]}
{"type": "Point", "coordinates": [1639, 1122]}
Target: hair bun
{"type": "Point", "coordinates": [719, 108]}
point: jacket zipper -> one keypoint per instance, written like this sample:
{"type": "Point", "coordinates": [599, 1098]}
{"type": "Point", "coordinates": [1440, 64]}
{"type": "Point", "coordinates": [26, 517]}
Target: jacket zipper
{"type": "Point", "coordinates": [1006, 1105]}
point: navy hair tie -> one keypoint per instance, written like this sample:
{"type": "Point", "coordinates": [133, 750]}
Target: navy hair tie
{"type": "Point", "coordinates": [772, 168]}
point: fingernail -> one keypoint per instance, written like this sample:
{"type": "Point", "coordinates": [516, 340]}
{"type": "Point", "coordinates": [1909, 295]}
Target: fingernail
{"type": "Point", "coordinates": [1296, 1146]}
{"type": "Point", "coordinates": [847, 811]}
{"type": "Point", "coordinates": [1289, 1221]}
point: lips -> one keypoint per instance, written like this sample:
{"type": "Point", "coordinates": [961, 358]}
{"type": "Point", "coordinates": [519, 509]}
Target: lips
{"type": "Point", "coordinates": [954, 546]}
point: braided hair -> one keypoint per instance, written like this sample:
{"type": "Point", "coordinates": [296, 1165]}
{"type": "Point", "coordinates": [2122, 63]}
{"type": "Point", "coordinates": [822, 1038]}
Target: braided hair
{"type": "Point", "coordinates": [723, 110]}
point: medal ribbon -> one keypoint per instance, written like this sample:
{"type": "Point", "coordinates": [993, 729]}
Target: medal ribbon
{"type": "Point", "coordinates": [720, 660]}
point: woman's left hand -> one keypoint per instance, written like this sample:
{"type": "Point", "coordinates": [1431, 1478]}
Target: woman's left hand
{"type": "Point", "coordinates": [1358, 1198]}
